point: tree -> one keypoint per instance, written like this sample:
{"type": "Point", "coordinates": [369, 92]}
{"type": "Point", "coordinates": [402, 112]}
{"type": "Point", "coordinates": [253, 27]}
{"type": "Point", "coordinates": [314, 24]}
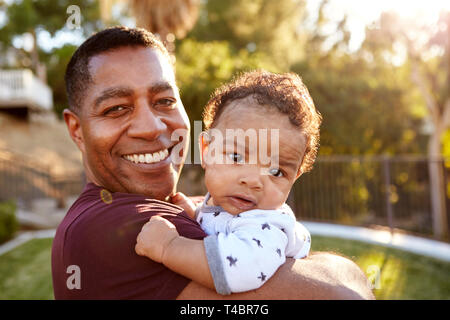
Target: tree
{"type": "Point", "coordinates": [56, 62]}
{"type": "Point", "coordinates": [203, 66]}
{"type": "Point", "coordinates": [40, 17]}
{"type": "Point", "coordinates": [267, 26]}
{"type": "Point", "coordinates": [35, 17]}
{"type": "Point", "coordinates": [365, 103]}
{"type": "Point", "coordinates": [169, 19]}
{"type": "Point", "coordinates": [427, 53]}
{"type": "Point", "coordinates": [369, 107]}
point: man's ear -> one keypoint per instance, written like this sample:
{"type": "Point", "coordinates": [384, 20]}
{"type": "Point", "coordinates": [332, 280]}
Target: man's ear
{"type": "Point", "coordinates": [203, 141]}
{"type": "Point", "coordinates": [74, 126]}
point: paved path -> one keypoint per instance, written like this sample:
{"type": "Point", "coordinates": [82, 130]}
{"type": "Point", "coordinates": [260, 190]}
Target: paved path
{"type": "Point", "coordinates": [24, 237]}
{"type": "Point", "coordinates": [423, 246]}
{"type": "Point", "coordinates": [427, 247]}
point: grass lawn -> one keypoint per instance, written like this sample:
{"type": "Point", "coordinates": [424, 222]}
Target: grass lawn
{"type": "Point", "coordinates": [402, 275]}
{"type": "Point", "coordinates": [25, 272]}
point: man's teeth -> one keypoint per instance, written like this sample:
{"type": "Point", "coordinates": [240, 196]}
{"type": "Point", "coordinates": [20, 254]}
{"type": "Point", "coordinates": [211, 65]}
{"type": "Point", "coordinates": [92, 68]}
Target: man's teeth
{"type": "Point", "coordinates": [147, 157]}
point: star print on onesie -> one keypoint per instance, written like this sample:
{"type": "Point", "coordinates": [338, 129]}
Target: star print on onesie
{"type": "Point", "coordinates": [245, 250]}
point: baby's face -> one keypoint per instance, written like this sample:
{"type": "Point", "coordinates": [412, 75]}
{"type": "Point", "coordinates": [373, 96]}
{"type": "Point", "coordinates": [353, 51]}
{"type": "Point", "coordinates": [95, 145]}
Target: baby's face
{"type": "Point", "coordinates": [248, 180]}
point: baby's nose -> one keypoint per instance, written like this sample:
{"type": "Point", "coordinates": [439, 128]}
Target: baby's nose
{"type": "Point", "coordinates": [251, 180]}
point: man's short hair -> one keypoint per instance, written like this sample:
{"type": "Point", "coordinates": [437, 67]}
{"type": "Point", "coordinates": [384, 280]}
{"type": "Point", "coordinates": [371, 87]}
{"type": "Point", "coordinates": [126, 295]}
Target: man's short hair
{"type": "Point", "coordinates": [77, 75]}
{"type": "Point", "coordinates": [285, 92]}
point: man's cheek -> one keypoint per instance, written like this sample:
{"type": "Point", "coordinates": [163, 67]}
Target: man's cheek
{"type": "Point", "coordinates": [102, 139]}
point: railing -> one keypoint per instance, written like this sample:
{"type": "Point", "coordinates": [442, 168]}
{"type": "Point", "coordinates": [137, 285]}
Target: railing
{"type": "Point", "coordinates": [391, 192]}
{"type": "Point", "coordinates": [24, 180]}
{"type": "Point", "coordinates": [364, 191]}
{"type": "Point", "coordinates": [20, 88]}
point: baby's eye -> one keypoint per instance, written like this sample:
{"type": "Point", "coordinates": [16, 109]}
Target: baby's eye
{"type": "Point", "coordinates": [276, 172]}
{"type": "Point", "coordinates": [236, 157]}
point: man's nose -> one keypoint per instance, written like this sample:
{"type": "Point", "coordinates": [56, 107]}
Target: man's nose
{"type": "Point", "coordinates": [251, 178]}
{"type": "Point", "coordinates": [145, 123]}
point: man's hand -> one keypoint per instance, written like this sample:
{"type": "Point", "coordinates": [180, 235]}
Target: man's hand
{"type": "Point", "coordinates": [187, 204]}
{"type": "Point", "coordinates": [155, 237]}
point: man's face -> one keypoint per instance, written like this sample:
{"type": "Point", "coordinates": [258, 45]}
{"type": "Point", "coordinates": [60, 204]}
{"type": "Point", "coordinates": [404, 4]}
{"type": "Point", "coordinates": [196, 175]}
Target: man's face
{"type": "Point", "coordinates": [126, 123]}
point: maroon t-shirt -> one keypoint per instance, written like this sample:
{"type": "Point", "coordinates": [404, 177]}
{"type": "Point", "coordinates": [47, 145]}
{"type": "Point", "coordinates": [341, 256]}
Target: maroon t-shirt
{"type": "Point", "coordinates": [93, 253]}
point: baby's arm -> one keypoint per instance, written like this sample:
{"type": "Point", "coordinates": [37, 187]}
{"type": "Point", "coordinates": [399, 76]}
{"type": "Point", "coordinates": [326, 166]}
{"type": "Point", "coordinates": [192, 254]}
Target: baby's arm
{"type": "Point", "coordinates": [160, 241]}
{"type": "Point", "coordinates": [240, 261]}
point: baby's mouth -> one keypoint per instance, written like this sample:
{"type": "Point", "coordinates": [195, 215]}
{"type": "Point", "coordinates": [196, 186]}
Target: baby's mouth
{"type": "Point", "coordinates": [242, 202]}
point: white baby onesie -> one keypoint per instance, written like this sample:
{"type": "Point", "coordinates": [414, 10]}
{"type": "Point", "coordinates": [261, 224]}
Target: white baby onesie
{"type": "Point", "coordinates": [245, 250]}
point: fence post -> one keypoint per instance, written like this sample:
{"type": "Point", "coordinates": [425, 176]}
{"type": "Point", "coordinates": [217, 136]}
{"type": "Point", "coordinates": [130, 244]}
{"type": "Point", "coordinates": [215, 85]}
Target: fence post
{"type": "Point", "coordinates": [387, 184]}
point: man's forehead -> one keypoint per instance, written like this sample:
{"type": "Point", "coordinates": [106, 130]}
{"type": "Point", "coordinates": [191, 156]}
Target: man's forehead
{"type": "Point", "coordinates": [132, 60]}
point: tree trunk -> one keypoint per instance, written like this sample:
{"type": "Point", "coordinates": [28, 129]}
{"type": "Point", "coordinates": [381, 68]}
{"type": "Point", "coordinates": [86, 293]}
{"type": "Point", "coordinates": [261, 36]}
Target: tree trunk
{"type": "Point", "coordinates": [39, 68]}
{"type": "Point", "coordinates": [437, 185]}
{"type": "Point", "coordinates": [440, 121]}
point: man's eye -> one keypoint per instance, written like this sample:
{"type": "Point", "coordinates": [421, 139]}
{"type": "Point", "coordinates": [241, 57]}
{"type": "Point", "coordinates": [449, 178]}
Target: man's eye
{"type": "Point", "coordinates": [115, 109]}
{"type": "Point", "coordinates": [236, 157]}
{"type": "Point", "coordinates": [166, 103]}
{"type": "Point", "coordinates": [276, 172]}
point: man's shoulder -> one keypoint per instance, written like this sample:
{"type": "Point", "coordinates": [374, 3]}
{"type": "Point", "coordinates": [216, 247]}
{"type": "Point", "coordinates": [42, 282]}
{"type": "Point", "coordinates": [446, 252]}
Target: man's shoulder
{"type": "Point", "coordinates": [99, 234]}
{"type": "Point", "coordinates": [99, 211]}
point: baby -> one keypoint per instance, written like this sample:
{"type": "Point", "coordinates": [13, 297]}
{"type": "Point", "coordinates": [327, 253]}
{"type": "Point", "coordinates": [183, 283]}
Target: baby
{"type": "Point", "coordinates": [251, 230]}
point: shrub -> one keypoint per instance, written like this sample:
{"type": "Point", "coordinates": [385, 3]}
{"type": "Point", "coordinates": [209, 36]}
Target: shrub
{"type": "Point", "coordinates": [8, 221]}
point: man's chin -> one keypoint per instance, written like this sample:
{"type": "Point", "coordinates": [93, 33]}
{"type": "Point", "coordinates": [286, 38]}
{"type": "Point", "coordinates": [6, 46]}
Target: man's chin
{"type": "Point", "coordinates": [158, 190]}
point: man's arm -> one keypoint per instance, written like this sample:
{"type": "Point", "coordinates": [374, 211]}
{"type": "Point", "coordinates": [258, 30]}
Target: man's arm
{"type": "Point", "coordinates": [320, 276]}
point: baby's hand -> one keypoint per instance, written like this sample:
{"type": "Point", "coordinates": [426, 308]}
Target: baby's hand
{"type": "Point", "coordinates": [155, 237]}
{"type": "Point", "coordinates": [187, 204]}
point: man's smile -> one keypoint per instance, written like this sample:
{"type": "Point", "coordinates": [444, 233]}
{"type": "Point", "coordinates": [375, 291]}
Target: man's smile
{"type": "Point", "coordinates": [144, 157]}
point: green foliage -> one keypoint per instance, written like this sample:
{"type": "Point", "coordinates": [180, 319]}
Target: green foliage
{"type": "Point", "coordinates": [48, 15]}
{"type": "Point", "coordinates": [37, 17]}
{"type": "Point", "coordinates": [365, 110]}
{"type": "Point", "coordinates": [8, 221]}
{"type": "Point", "coordinates": [266, 26]}
{"type": "Point", "coordinates": [57, 62]}
{"type": "Point", "coordinates": [203, 66]}
{"type": "Point", "coordinates": [426, 53]}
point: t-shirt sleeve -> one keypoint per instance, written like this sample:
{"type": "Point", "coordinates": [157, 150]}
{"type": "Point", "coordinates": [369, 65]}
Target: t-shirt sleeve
{"type": "Point", "coordinates": [102, 245]}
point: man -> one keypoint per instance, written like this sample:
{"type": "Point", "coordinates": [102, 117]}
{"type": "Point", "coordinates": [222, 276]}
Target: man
{"type": "Point", "coordinates": [124, 109]}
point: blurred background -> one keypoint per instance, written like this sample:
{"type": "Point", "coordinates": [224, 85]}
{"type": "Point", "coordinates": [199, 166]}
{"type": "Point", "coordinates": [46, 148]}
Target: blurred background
{"type": "Point", "coordinates": [378, 71]}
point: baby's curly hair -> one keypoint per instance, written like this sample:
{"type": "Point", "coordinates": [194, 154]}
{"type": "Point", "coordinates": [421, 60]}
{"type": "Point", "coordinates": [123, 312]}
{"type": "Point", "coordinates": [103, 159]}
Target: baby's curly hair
{"type": "Point", "coordinates": [286, 92]}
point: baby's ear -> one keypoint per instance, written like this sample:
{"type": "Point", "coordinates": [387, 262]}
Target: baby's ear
{"type": "Point", "coordinates": [299, 173]}
{"type": "Point", "coordinates": [203, 141]}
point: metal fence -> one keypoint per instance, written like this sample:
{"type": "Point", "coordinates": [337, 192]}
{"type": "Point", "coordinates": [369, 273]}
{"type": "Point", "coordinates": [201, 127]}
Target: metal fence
{"type": "Point", "coordinates": [24, 180]}
{"type": "Point", "coordinates": [365, 191]}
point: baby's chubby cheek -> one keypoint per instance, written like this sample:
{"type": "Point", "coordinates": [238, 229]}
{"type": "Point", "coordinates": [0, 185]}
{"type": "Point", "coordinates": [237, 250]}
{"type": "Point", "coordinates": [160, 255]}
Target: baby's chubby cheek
{"type": "Point", "coordinates": [215, 180]}
{"type": "Point", "coordinates": [273, 199]}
